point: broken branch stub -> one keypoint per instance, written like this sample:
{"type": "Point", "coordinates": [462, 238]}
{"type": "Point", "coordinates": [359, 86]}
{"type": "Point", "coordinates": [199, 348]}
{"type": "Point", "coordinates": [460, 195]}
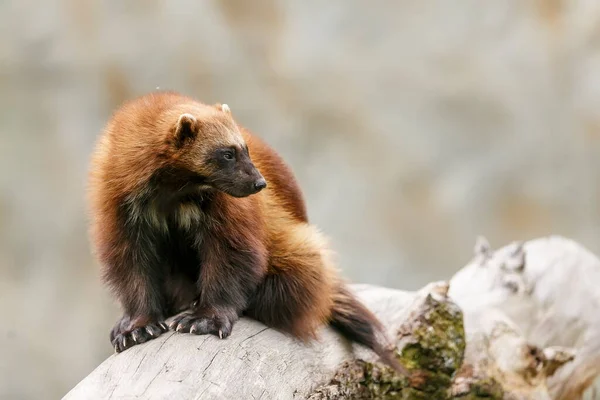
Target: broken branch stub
{"type": "Point", "coordinates": [430, 343]}
{"type": "Point", "coordinates": [548, 292]}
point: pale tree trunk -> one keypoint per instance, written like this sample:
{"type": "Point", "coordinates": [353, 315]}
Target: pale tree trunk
{"type": "Point", "coordinates": [519, 340]}
{"type": "Point", "coordinates": [549, 290]}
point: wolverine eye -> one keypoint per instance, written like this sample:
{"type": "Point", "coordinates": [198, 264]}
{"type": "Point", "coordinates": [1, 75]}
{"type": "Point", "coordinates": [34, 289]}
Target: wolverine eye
{"type": "Point", "coordinates": [228, 155]}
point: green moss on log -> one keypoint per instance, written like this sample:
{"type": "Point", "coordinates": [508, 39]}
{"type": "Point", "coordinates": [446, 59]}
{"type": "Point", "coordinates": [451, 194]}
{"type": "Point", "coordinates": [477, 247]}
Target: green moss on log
{"type": "Point", "coordinates": [470, 385]}
{"type": "Point", "coordinates": [485, 388]}
{"type": "Point", "coordinates": [433, 345]}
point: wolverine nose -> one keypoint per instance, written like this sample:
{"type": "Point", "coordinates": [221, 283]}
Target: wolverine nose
{"type": "Point", "coordinates": [260, 184]}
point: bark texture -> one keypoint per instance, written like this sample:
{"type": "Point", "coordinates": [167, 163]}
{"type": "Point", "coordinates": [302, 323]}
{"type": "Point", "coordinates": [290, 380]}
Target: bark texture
{"type": "Point", "coordinates": [518, 323]}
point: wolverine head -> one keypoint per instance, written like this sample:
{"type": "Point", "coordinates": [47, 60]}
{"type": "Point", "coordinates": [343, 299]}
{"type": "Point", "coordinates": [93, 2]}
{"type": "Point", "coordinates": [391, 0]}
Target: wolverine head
{"type": "Point", "coordinates": [209, 144]}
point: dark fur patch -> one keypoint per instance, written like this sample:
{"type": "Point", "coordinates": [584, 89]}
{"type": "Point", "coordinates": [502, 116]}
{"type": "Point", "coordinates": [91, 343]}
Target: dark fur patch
{"type": "Point", "coordinates": [138, 264]}
{"type": "Point", "coordinates": [234, 258]}
{"type": "Point", "coordinates": [279, 302]}
{"type": "Point", "coordinates": [355, 322]}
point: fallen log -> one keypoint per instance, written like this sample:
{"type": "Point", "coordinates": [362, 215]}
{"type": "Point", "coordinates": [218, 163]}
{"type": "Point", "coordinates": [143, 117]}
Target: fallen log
{"type": "Point", "coordinates": [254, 362]}
{"type": "Point", "coordinates": [489, 355]}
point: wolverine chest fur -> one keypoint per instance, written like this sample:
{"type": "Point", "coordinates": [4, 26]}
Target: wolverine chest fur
{"type": "Point", "coordinates": [174, 234]}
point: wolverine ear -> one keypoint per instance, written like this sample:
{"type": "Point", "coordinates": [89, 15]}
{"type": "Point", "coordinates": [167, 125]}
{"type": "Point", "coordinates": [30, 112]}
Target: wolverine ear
{"type": "Point", "coordinates": [186, 128]}
{"type": "Point", "coordinates": [223, 107]}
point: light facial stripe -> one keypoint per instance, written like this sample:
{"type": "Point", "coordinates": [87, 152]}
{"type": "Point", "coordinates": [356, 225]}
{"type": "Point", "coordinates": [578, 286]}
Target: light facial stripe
{"type": "Point", "coordinates": [233, 137]}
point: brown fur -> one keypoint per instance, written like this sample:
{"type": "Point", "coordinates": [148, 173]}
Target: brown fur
{"type": "Point", "coordinates": [167, 235]}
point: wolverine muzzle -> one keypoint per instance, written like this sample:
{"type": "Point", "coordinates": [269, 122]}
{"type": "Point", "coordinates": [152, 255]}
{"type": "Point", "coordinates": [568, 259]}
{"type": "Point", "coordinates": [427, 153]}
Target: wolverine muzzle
{"type": "Point", "coordinates": [260, 184]}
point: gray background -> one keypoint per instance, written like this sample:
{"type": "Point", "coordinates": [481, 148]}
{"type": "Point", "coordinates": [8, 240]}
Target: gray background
{"type": "Point", "coordinates": [412, 126]}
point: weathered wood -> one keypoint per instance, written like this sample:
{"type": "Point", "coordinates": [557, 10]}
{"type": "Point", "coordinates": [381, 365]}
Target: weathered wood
{"type": "Point", "coordinates": [253, 363]}
{"type": "Point", "coordinates": [528, 310]}
{"type": "Point", "coordinates": [547, 293]}
{"type": "Point", "coordinates": [430, 343]}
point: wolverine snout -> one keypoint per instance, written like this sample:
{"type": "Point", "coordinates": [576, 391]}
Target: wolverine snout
{"type": "Point", "coordinates": [260, 184]}
{"type": "Point", "coordinates": [257, 181]}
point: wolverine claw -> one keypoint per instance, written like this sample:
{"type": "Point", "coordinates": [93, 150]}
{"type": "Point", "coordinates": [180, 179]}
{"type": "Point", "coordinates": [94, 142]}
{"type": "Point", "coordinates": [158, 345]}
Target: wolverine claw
{"type": "Point", "coordinates": [124, 335]}
{"type": "Point", "coordinates": [163, 326]}
{"type": "Point", "coordinates": [203, 322]}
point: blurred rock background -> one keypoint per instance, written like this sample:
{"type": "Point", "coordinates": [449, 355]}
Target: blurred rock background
{"type": "Point", "coordinates": [412, 126]}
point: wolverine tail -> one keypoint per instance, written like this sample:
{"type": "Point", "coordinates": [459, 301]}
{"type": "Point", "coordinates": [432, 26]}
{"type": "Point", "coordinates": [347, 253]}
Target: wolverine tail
{"type": "Point", "coordinates": [354, 321]}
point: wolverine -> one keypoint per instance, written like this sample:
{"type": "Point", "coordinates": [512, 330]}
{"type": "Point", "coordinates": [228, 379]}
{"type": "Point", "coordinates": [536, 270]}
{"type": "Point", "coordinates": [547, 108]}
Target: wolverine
{"type": "Point", "coordinates": [196, 219]}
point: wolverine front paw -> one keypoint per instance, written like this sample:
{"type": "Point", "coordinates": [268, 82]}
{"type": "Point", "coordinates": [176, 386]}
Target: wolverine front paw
{"type": "Point", "coordinates": [202, 322]}
{"type": "Point", "coordinates": [124, 338]}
